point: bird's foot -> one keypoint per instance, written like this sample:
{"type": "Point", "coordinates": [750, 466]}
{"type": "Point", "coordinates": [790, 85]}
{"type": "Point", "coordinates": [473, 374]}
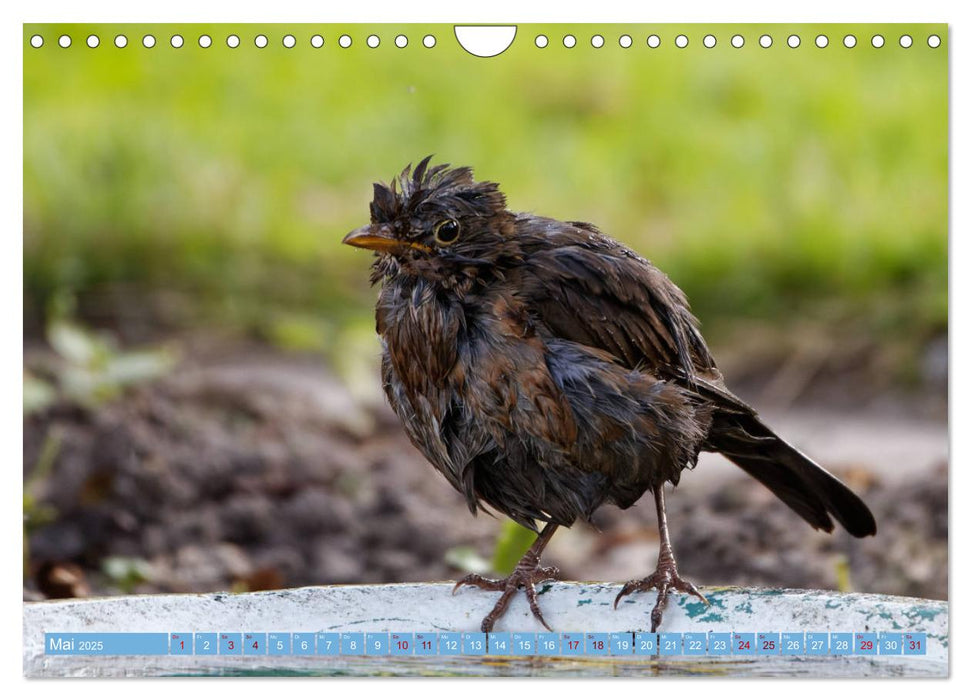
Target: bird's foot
{"type": "Point", "coordinates": [664, 579]}
{"type": "Point", "coordinates": [526, 575]}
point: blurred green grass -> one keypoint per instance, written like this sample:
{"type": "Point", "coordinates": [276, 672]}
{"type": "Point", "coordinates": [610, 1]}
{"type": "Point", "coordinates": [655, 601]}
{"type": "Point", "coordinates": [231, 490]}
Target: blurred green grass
{"type": "Point", "coordinates": [769, 183]}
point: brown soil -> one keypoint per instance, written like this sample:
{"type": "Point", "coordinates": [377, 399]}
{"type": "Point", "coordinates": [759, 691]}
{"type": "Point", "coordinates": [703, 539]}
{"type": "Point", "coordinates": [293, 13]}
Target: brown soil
{"type": "Point", "coordinates": [262, 471]}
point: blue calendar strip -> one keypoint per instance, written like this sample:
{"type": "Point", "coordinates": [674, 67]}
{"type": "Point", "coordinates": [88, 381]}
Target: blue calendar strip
{"type": "Point", "coordinates": [481, 644]}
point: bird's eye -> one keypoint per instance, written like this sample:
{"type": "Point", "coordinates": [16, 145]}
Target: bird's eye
{"type": "Point", "coordinates": [447, 232]}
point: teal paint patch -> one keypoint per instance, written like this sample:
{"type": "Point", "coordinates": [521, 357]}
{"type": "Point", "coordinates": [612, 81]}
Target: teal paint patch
{"type": "Point", "coordinates": [922, 613]}
{"type": "Point", "coordinates": [745, 607]}
{"type": "Point", "coordinates": [695, 607]}
{"type": "Point", "coordinates": [832, 604]}
{"type": "Point", "coordinates": [585, 601]}
{"type": "Point", "coordinates": [705, 613]}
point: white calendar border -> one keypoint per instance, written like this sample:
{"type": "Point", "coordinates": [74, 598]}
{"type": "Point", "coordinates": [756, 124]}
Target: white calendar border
{"type": "Point", "coordinates": [484, 11]}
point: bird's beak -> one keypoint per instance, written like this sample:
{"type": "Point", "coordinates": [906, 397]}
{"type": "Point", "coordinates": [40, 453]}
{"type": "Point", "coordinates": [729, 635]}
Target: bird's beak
{"type": "Point", "coordinates": [380, 237]}
{"type": "Point", "coordinates": [373, 237]}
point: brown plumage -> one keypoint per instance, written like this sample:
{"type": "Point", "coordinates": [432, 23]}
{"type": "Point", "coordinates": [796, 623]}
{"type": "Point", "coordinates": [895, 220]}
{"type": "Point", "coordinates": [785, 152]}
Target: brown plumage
{"type": "Point", "coordinates": [545, 369]}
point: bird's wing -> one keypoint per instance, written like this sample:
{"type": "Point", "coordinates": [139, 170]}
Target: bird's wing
{"type": "Point", "coordinates": [588, 288]}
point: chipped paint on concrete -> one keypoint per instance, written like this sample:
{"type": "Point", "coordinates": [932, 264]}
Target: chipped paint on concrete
{"type": "Point", "coordinates": [698, 611]}
{"type": "Point", "coordinates": [431, 607]}
{"type": "Point", "coordinates": [744, 607]}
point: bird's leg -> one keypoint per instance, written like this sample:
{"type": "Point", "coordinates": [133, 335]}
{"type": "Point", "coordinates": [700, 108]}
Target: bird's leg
{"type": "Point", "coordinates": [527, 574]}
{"type": "Point", "coordinates": [665, 577]}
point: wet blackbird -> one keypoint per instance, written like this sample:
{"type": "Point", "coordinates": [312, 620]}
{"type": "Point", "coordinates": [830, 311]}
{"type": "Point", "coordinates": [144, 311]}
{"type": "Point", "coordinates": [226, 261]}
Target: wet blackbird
{"type": "Point", "coordinates": [545, 370]}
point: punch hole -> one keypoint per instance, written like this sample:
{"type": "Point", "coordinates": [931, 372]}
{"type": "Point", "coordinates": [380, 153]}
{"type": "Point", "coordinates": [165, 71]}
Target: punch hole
{"type": "Point", "coordinates": [176, 41]}
{"type": "Point", "coordinates": [401, 41]}
{"type": "Point", "coordinates": [148, 41]}
{"type": "Point", "coordinates": [681, 41]}
{"type": "Point", "coordinates": [849, 41]}
{"type": "Point", "coordinates": [765, 41]}
{"type": "Point", "coordinates": [933, 41]}
{"type": "Point", "coordinates": [625, 41]}
{"type": "Point", "coordinates": [317, 41]}
{"type": "Point", "coordinates": [261, 41]}
{"type": "Point", "coordinates": [205, 41]}
{"type": "Point", "coordinates": [709, 41]}
{"type": "Point", "coordinates": [344, 41]}
{"type": "Point", "coordinates": [597, 41]}
{"type": "Point", "coordinates": [484, 41]}
{"type": "Point", "coordinates": [822, 41]}
{"type": "Point", "coordinates": [121, 41]}
{"type": "Point", "coordinates": [64, 41]}
{"type": "Point", "coordinates": [37, 41]}
{"type": "Point", "coordinates": [877, 41]}
{"type": "Point", "coordinates": [541, 41]}
{"type": "Point", "coordinates": [654, 41]}
{"type": "Point", "coordinates": [93, 41]}
{"type": "Point", "coordinates": [373, 41]}
{"type": "Point", "coordinates": [428, 41]}
{"type": "Point", "coordinates": [569, 41]}
{"type": "Point", "coordinates": [738, 41]}
{"type": "Point", "coordinates": [232, 41]}
{"type": "Point", "coordinates": [793, 41]}
{"type": "Point", "coordinates": [906, 41]}
{"type": "Point", "coordinates": [289, 41]}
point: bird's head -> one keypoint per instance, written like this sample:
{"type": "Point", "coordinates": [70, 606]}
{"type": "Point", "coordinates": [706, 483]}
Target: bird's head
{"type": "Point", "coordinates": [436, 222]}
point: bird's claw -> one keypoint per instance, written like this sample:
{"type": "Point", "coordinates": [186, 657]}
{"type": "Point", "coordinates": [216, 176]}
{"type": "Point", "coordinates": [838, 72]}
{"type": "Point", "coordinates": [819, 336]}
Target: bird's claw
{"type": "Point", "coordinates": [521, 577]}
{"type": "Point", "coordinates": [664, 579]}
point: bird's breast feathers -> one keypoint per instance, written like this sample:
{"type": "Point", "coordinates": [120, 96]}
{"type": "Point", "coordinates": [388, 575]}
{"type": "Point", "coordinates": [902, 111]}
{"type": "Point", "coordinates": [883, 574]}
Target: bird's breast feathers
{"type": "Point", "coordinates": [483, 354]}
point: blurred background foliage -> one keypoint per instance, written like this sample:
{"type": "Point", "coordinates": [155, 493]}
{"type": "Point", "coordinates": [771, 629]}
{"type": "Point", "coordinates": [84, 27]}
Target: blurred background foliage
{"type": "Point", "coordinates": [175, 188]}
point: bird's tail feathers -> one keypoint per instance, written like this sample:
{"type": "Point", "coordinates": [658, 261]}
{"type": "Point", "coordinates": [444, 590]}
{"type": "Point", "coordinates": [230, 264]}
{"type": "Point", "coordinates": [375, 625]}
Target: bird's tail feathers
{"type": "Point", "coordinates": [798, 481]}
